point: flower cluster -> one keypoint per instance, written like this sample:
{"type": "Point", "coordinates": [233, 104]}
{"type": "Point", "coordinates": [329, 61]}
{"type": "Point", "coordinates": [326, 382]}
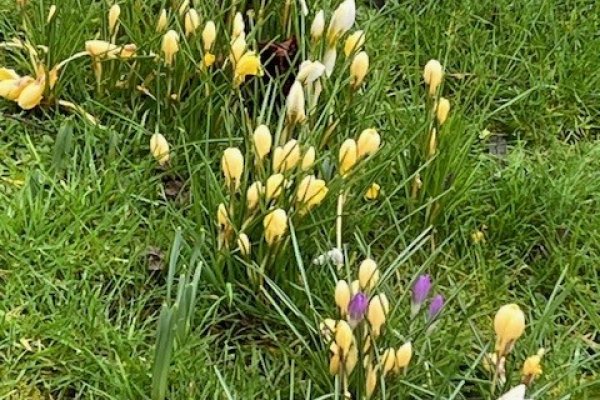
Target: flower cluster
{"type": "Point", "coordinates": [363, 317]}
{"type": "Point", "coordinates": [509, 325]}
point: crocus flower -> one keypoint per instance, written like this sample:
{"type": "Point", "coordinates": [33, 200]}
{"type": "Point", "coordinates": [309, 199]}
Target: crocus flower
{"type": "Point", "coordinates": [368, 143]}
{"type": "Point", "coordinates": [359, 69]}
{"type": "Point", "coordinates": [433, 73]}
{"type": "Point", "coordinates": [368, 274]}
{"type": "Point", "coordinates": [432, 148]}
{"type": "Point", "coordinates": [358, 306]}
{"type": "Point", "coordinates": [343, 336]}
{"type": "Point", "coordinates": [232, 165]}
{"type": "Point", "coordinates": [159, 148]}
{"type": "Point", "coordinates": [223, 217]}
{"type": "Point", "coordinates": [348, 156]}
{"type": "Point", "coordinates": [113, 18]}
{"type": "Point", "coordinates": [420, 291]}
{"type": "Point", "coordinates": [253, 195]}
{"type": "Point", "coordinates": [443, 109]}
{"type": "Point", "coordinates": [275, 225]}
{"type": "Point", "coordinates": [238, 25]}
{"type": "Point", "coordinates": [274, 186]}
{"type": "Point", "coordinates": [162, 21]}
{"type": "Point", "coordinates": [354, 42]}
{"type": "Point", "coordinates": [244, 244]}
{"type": "Point", "coordinates": [287, 157]}
{"type": "Point", "coordinates": [436, 305]}
{"type": "Point", "coordinates": [388, 360]}
{"type": "Point", "coordinates": [191, 22]}
{"type": "Point", "coordinates": [532, 367]}
{"type": "Point", "coordinates": [318, 25]}
{"type": "Point", "coordinates": [247, 65]}
{"type": "Point", "coordinates": [310, 71]}
{"type": "Point", "coordinates": [262, 141]}
{"type": "Point", "coordinates": [209, 34]}
{"type": "Point", "coordinates": [329, 60]}
{"type": "Point", "coordinates": [170, 46]}
{"type": "Point", "coordinates": [309, 159]}
{"type": "Point", "coordinates": [295, 103]}
{"type": "Point", "coordinates": [341, 21]}
{"type": "Point", "coordinates": [372, 192]}
{"type": "Point", "coordinates": [403, 356]}
{"type": "Point", "coordinates": [372, 379]}
{"type": "Point", "coordinates": [32, 94]}
{"type": "Point", "coordinates": [509, 325]}
{"type": "Point", "coordinates": [379, 307]}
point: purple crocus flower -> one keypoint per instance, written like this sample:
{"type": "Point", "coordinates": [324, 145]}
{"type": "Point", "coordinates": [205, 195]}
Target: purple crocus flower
{"type": "Point", "coordinates": [421, 289]}
{"type": "Point", "coordinates": [358, 306]}
{"type": "Point", "coordinates": [436, 305]}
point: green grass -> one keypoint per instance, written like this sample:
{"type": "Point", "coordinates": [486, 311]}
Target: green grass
{"type": "Point", "coordinates": [81, 205]}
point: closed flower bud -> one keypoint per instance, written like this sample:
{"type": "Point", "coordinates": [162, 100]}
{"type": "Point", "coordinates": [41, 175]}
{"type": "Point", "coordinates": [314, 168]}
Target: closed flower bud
{"type": "Point", "coordinates": [377, 313]}
{"type": "Point", "coordinates": [335, 360]}
{"type": "Point", "coordinates": [371, 381]}
{"type": "Point", "coordinates": [295, 104]}
{"type": "Point", "coordinates": [348, 156]}
{"type": "Point", "coordinates": [170, 46]}
{"type": "Point", "coordinates": [183, 7]}
{"type": "Point", "coordinates": [32, 94]}
{"type": "Point", "coordinates": [262, 141]}
{"type": "Point", "coordinates": [244, 244]}
{"type": "Point", "coordinates": [191, 22]}
{"type": "Point", "coordinates": [388, 360]}
{"type": "Point", "coordinates": [355, 286]}
{"type": "Point", "coordinates": [247, 65]}
{"type": "Point", "coordinates": [311, 192]}
{"type": "Point", "coordinates": [209, 35]}
{"type": "Point", "coordinates": [232, 165]}
{"type": "Point", "coordinates": [318, 25]}
{"type": "Point", "coordinates": [223, 217]}
{"type": "Point", "coordinates": [354, 42]}
{"type": "Point", "coordinates": [274, 186]}
{"type": "Point", "coordinates": [238, 48]}
{"type": "Point", "coordinates": [351, 359]}
{"type": "Point", "coordinates": [372, 192]}
{"type": "Point", "coordinates": [329, 60]}
{"type": "Point", "coordinates": [113, 18]}
{"type": "Point", "coordinates": [357, 307]}
{"type": "Point", "coordinates": [443, 109]}
{"type": "Point", "coordinates": [310, 71]}
{"type": "Point", "coordinates": [359, 69]}
{"type": "Point", "coordinates": [368, 143]}
{"type": "Point", "coordinates": [309, 159]}
{"type": "Point", "coordinates": [238, 26]}
{"type": "Point", "coordinates": [253, 195]}
{"type": "Point", "coordinates": [343, 336]}
{"type": "Point", "coordinates": [342, 296]}
{"type": "Point", "coordinates": [403, 356]}
{"type": "Point", "coordinates": [162, 22]}
{"type": "Point", "coordinates": [368, 274]}
{"type": "Point", "coordinates": [275, 225]}
{"type": "Point", "coordinates": [432, 147]}
{"type": "Point", "coordinates": [341, 21]}
{"type": "Point", "coordinates": [435, 307]}
{"type": "Point", "coordinates": [287, 157]}
{"type": "Point", "coordinates": [51, 13]}
{"type": "Point", "coordinates": [509, 325]}
{"type": "Point", "coordinates": [433, 73]}
{"type": "Point", "coordinates": [159, 148]}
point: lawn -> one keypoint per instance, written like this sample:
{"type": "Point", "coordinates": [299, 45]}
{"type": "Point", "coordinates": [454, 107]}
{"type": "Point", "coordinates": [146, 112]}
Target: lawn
{"type": "Point", "coordinates": [125, 276]}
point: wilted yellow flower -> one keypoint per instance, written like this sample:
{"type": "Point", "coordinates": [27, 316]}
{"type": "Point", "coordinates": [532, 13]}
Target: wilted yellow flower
{"type": "Point", "coordinates": [372, 379]}
{"type": "Point", "coordinates": [359, 69]}
{"type": "Point", "coordinates": [318, 25]}
{"type": "Point", "coordinates": [329, 60]}
{"type": "Point", "coordinates": [295, 104]}
{"type": "Point", "coordinates": [244, 244]}
{"type": "Point", "coordinates": [432, 148]}
{"type": "Point", "coordinates": [377, 313]}
{"type": "Point", "coordinates": [341, 21]}
{"type": "Point", "coordinates": [443, 109]}
{"type": "Point", "coordinates": [162, 21]}
{"type": "Point", "coordinates": [311, 192]}
{"type": "Point", "coordinates": [191, 22]}
{"type": "Point", "coordinates": [232, 165]}
{"type": "Point", "coordinates": [238, 26]}
{"type": "Point", "coordinates": [170, 46]}
{"type": "Point", "coordinates": [309, 159]}
{"type": "Point", "coordinates": [354, 42]}
{"type": "Point", "coordinates": [287, 157]}
{"type": "Point", "coordinates": [372, 192]}
{"type": "Point", "coordinates": [208, 59]}
{"type": "Point", "coordinates": [159, 148]}
{"type": "Point", "coordinates": [32, 94]}
{"type": "Point", "coordinates": [275, 225]}
{"type": "Point", "coordinates": [274, 186]}
{"type": "Point", "coordinates": [51, 13]}
{"type": "Point", "coordinates": [348, 156]}
{"type": "Point", "coordinates": [113, 18]}
{"type": "Point", "coordinates": [253, 195]}
{"type": "Point", "coordinates": [248, 64]}
{"type": "Point", "coordinates": [209, 35]}
{"type": "Point", "coordinates": [532, 367]}
{"type": "Point", "coordinates": [238, 48]}
{"type": "Point", "coordinates": [6, 74]}
{"type": "Point", "coordinates": [403, 356]}
{"type": "Point", "coordinates": [262, 141]}
{"type": "Point", "coordinates": [433, 73]}
{"type": "Point", "coordinates": [368, 274]}
{"type": "Point", "coordinates": [509, 325]}
{"type": "Point", "coordinates": [342, 296]}
{"type": "Point", "coordinates": [10, 89]}
{"type": "Point", "coordinates": [343, 336]}
{"type": "Point", "coordinates": [368, 143]}
{"type": "Point", "coordinates": [223, 217]}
